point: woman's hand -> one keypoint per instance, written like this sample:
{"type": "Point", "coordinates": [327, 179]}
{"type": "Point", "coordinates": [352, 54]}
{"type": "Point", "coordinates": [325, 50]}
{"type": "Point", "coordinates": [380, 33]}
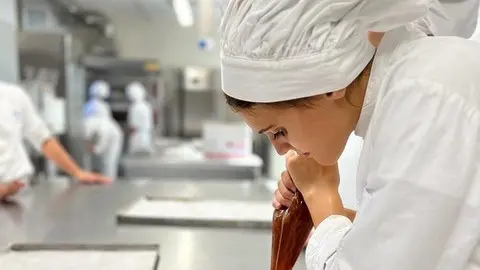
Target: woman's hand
{"type": "Point", "coordinates": [86, 177]}
{"type": "Point", "coordinates": [283, 196]}
{"type": "Point", "coordinates": [10, 189]}
{"type": "Point", "coordinates": [308, 175]}
{"type": "Point", "coordinates": [318, 185]}
{"type": "Point", "coordinates": [286, 186]}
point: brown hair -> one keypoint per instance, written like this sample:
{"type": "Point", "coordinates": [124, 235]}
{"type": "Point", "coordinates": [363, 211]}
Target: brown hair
{"type": "Point", "coordinates": [238, 104]}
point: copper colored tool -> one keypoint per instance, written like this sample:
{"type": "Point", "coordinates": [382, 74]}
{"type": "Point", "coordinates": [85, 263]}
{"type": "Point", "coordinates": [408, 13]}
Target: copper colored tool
{"type": "Point", "coordinates": [290, 230]}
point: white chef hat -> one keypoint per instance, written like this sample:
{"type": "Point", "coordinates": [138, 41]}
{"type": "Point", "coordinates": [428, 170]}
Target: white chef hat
{"type": "Point", "coordinates": [99, 89]}
{"type": "Point", "coordinates": [136, 91]}
{"type": "Point", "coordinates": [281, 50]}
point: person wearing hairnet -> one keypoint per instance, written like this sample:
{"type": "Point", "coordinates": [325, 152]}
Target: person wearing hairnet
{"type": "Point", "coordinates": [99, 91]}
{"type": "Point", "coordinates": [20, 120]}
{"type": "Point", "coordinates": [140, 120]}
{"type": "Point", "coordinates": [308, 73]}
{"type": "Point", "coordinates": [105, 136]}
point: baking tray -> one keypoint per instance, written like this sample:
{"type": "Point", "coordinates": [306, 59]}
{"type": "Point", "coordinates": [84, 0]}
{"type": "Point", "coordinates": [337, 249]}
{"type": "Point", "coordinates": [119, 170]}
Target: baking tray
{"type": "Point", "coordinates": [60, 247]}
{"type": "Point", "coordinates": [127, 215]}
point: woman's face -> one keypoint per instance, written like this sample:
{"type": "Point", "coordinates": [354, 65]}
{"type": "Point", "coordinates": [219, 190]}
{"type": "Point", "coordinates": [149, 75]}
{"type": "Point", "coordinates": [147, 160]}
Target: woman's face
{"type": "Point", "coordinates": [320, 129]}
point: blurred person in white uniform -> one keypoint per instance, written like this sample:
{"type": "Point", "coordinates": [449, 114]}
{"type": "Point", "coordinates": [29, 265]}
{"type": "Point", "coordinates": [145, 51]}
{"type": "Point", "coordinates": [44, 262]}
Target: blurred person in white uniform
{"type": "Point", "coordinates": [20, 121]}
{"type": "Point", "coordinates": [307, 82]}
{"type": "Point", "coordinates": [140, 120]}
{"type": "Point", "coordinates": [99, 91]}
{"type": "Point", "coordinates": [105, 137]}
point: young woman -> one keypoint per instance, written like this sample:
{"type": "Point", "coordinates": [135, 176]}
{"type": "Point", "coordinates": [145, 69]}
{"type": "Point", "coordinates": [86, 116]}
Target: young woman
{"type": "Point", "coordinates": [305, 74]}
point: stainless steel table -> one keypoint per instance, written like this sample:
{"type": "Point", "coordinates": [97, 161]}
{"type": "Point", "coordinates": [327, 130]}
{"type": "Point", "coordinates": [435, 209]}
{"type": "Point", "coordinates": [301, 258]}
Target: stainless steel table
{"type": "Point", "coordinates": [54, 211]}
{"type": "Point", "coordinates": [160, 166]}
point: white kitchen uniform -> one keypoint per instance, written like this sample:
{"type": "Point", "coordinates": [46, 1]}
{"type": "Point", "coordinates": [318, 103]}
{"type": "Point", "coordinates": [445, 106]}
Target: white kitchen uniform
{"type": "Point", "coordinates": [140, 119]}
{"type": "Point", "coordinates": [99, 91]}
{"type": "Point", "coordinates": [103, 109]}
{"type": "Point", "coordinates": [109, 142]}
{"type": "Point", "coordinates": [99, 122]}
{"type": "Point", "coordinates": [455, 18]}
{"type": "Point", "coordinates": [419, 172]}
{"type": "Point", "coordinates": [19, 121]}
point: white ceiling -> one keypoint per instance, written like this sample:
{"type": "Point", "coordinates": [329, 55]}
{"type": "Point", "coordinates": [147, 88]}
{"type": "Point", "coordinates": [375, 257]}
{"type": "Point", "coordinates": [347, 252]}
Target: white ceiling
{"type": "Point", "coordinates": [138, 9]}
{"type": "Point", "coordinates": [146, 9]}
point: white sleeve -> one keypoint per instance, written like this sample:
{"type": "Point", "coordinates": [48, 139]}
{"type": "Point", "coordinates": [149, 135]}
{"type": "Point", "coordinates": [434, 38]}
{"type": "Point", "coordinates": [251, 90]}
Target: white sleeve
{"type": "Point", "coordinates": [102, 142]}
{"type": "Point", "coordinates": [90, 127]}
{"type": "Point", "coordinates": [35, 129]}
{"type": "Point", "coordinates": [131, 116]}
{"type": "Point", "coordinates": [422, 206]}
{"type": "Point", "coordinates": [461, 19]}
{"type": "Point", "coordinates": [138, 117]}
{"type": "Point", "coordinates": [94, 127]}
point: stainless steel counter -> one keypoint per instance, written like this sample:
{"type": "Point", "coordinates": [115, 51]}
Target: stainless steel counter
{"type": "Point", "coordinates": [56, 212]}
{"type": "Point", "coordinates": [160, 166]}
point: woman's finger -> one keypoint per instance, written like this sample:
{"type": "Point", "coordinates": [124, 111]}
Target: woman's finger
{"type": "Point", "coordinates": [282, 200]}
{"type": "Point", "coordinates": [288, 182]}
{"type": "Point", "coordinates": [286, 193]}
{"type": "Point", "coordinates": [276, 204]}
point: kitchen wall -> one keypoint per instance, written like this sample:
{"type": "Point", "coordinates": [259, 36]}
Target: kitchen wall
{"type": "Point", "coordinates": [8, 46]}
{"type": "Point", "coordinates": [161, 37]}
{"type": "Point", "coordinates": [164, 38]}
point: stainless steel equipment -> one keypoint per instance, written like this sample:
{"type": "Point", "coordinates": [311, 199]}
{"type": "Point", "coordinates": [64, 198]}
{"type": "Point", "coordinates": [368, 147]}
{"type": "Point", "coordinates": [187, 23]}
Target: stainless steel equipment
{"type": "Point", "coordinates": [59, 47]}
{"type": "Point", "coordinates": [186, 110]}
{"type": "Point", "coordinates": [50, 57]}
{"type": "Point", "coordinates": [164, 166]}
{"type": "Point", "coordinates": [54, 213]}
{"type": "Point", "coordinates": [119, 73]}
{"type": "Point", "coordinates": [196, 101]}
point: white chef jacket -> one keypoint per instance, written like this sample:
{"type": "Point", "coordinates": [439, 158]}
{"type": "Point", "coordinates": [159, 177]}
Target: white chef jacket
{"type": "Point", "coordinates": [419, 172]}
{"type": "Point", "coordinates": [457, 18]}
{"type": "Point", "coordinates": [19, 120]}
{"type": "Point", "coordinates": [102, 108]}
{"type": "Point", "coordinates": [105, 130]}
{"type": "Point", "coordinates": [140, 117]}
{"type": "Point", "coordinates": [109, 142]}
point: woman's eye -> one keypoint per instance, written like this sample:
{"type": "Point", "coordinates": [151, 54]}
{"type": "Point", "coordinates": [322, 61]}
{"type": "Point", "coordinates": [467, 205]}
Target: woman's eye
{"type": "Point", "coordinates": [278, 134]}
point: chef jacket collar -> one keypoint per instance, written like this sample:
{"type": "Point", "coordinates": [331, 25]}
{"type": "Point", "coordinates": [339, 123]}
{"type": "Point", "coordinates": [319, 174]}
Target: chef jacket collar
{"type": "Point", "coordinates": [388, 52]}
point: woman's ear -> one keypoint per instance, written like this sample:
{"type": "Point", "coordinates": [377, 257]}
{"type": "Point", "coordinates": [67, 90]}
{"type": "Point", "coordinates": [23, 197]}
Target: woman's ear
{"type": "Point", "coordinates": [335, 95]}
{"type": "Point", "coordinates": [375, 38]}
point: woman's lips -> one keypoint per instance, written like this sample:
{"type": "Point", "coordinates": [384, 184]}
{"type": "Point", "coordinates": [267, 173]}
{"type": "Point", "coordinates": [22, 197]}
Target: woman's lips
{"type": "Point", "coordinates": [306, 154]}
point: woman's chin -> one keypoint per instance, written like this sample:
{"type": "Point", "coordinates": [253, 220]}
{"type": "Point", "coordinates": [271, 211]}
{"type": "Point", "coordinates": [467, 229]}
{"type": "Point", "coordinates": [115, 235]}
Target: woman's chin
{"type": "Point", "coordinates": [325, 161]}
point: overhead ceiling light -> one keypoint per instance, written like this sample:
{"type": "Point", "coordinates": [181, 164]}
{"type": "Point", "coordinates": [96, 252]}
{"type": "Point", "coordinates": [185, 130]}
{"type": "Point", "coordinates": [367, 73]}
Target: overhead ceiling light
{"type": "Point", "coordinates": [183, 11]}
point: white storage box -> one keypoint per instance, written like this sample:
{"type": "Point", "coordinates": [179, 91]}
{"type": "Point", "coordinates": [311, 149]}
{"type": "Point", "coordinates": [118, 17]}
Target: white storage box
{"type": "Point", "coordinates": [227, 140]}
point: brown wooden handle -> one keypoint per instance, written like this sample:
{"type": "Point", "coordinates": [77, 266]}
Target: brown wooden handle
{"type": "Point", "coordinates": [290, 230]}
